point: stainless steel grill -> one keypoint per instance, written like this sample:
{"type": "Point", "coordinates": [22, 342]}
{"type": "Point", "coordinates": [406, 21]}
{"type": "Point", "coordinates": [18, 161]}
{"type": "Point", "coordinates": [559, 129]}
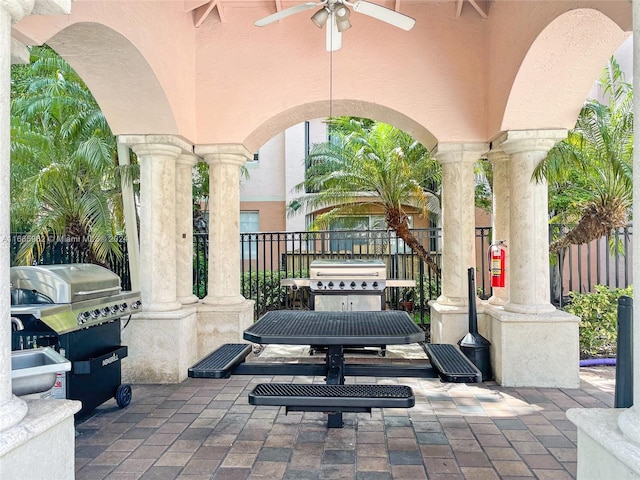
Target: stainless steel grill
{"type": "Point", "coordinates": [75, 309]}
{"type": "Point", "coordinates": [352, 275]}
{"type": "Point", "coordinates": [70, 297]}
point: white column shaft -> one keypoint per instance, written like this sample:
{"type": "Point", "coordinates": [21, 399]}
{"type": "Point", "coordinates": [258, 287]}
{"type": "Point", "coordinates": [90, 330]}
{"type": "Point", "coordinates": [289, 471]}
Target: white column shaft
{"type": "Point", "coordinates": [184, 229]}
{"type": "Point", "coordinates": [529, 220]}
{"type": "Point", "coordinates": [224, 162]}
{"type": "Point", "coordinates": [157, 225]}
{"type": "Point", "coordinates": [458, 219]}
{"type": "Point", "coordinates": [500, 217]}
{"type": "Point", "coordinates": [5, 231]}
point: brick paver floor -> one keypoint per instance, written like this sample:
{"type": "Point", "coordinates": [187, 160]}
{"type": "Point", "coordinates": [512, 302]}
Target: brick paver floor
{"type": "Point", "coordinates": [206, 430]}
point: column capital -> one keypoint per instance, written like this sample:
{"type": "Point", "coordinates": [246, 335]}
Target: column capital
{"type": "Point", "coordinates": [140, 141]}
{"type": "Point", "coordinates": [497, 155]}
{"type": "Point", "coordinates": [229, 153]}
{"type": "Point", "coordinates": [18, 9]}
{"type": "Point", "coordinates": [187, 160]}
{"type": "Point", "coordinates": [460, 152]}
{"type": "Point", "coordinates": [522, 141]}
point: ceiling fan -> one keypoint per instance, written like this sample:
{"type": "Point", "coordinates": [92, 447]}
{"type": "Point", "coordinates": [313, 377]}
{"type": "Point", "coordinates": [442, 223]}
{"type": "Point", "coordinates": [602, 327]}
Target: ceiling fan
{"type": "Point", "coordinates": [336, 14]}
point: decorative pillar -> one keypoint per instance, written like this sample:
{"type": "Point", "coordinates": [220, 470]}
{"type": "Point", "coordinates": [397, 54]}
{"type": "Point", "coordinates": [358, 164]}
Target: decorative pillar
{"type": "Point", "coordinates": [449, 318]}
{"type": "Point", "coordinates": [224, 163]}
{"type": "Point", "coordinates": [224, 313]}
{"type": "Point", "coordinates": [532, 343]}
{"type": "Point", "coordinates": [529, 220]}
{"type": "Point", "coordinates": [184, 229]}
{"type": "Point", "coordinates": [500, 217]}
{"type": "Point", "coordinates": [35, 425]}
{"type": "Point", "coordinates": [608, 438]}
{"type": "Point", "coordinates": [158, 224]}
{"type": "Point", "coordinates": [12, 409]}
{"type": "Point", "coordinates": [164, 325]}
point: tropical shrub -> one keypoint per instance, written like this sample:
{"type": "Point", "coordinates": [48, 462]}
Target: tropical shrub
{"type": "Point", "coordinates": [598, 312]}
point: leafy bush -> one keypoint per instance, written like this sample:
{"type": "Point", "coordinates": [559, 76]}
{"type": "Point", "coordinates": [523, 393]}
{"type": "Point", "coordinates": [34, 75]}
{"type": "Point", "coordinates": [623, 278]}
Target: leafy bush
{"type": "Point", "coordinates": [598, 312]}
{"type": "Point", "coordinates": [264, 287]}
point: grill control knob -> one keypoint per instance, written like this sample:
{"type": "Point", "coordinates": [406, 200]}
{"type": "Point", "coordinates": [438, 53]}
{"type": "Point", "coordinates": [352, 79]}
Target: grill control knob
{"type": "Point", "coordinates": [352, 284]}
{"type": "Point", "coordinates": [106, 311]}
{"type": "Point", "coordinates": [114, 308]}
{"type": "Point", "coordinates": [364, 285]}
{"type": "Point", "coordinates": [83, 317]}
{"type": "Point", "coordinates": [341, 285]}
{"type": "Point", "coordinates": [123, 306]}
{"type": "Point", "coordinates": [375, 285]}
{"type": "Point", "coordinates": [330, 285]}
{"type": "Point", "coordinates": [319, 284]}
{"type": "Point", "coordinates": [95, 313]}
{"type": "Point", "coordinates": [136, 304]}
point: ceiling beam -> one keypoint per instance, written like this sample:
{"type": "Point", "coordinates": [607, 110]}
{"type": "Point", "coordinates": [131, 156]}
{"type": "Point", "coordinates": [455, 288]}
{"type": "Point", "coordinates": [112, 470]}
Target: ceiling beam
{"type": "Point", "coordinates": [478, 9]}
{"type": "Point", "coordinates": [459, 8]}
{"type": "Point", "coordinates": [202, 12]}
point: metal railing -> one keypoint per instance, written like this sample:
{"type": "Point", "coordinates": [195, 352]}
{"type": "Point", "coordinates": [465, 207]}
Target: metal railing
{"type": "Point", "coordinates": [267, 257]}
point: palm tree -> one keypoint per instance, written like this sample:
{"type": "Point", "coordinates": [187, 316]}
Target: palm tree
{"type": "Point", "coordinates": [64, 174]}
{"type": "Point", "coordinates": [592, 167]}
{"type": "Point", "coordinates": [372, 164]}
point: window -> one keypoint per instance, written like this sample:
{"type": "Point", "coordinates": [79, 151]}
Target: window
{"type": "Point", "coordinates": [249, 222]}
{"type": "Point", "coordinates": [346, 238]}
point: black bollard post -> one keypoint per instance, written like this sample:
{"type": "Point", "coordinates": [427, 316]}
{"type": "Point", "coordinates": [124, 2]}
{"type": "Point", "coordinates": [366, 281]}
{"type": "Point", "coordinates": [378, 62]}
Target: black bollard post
{"type": "Point", "coordinates": [473, 345]}
{"type": "Point", "coordinates": [624, 357]}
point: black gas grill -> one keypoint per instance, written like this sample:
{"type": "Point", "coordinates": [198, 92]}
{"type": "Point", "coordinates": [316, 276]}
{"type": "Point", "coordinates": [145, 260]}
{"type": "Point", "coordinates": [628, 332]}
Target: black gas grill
{"type": "Point", "coordinates": [76, 309]}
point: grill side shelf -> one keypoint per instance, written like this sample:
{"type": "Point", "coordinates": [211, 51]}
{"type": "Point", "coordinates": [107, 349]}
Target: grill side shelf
{"type": "Point", "coordinates": [85, 367]}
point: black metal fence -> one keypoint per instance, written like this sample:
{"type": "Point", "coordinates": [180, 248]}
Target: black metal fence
{"type": "Point", "coordinates": [268, 257]}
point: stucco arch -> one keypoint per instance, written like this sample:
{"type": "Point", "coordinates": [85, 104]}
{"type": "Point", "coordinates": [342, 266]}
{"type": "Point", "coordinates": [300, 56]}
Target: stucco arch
{"type": "Point", "coordinates": [119, 77]}
{"type": "Point", "coordinates": [356, 108]}
{"type": "Point", "coordinates": [559, 69]}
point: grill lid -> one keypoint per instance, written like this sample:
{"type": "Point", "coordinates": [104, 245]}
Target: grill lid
{"type": "Point", "coordinates": [70, 283]}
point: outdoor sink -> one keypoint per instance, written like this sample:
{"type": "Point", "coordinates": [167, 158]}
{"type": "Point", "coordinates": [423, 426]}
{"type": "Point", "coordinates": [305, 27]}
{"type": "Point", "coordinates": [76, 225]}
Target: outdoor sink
{"type": "Point", "coordinates": [34, 370]}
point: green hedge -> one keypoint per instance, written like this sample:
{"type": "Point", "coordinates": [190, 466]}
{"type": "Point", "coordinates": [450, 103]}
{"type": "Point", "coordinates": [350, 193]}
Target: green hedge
{"type": "Point", "coordinates": [598, 312]}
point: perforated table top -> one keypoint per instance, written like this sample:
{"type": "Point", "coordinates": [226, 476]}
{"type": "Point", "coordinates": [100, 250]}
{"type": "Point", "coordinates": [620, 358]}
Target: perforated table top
{"type": "Point", "coordinates": [334, 328]}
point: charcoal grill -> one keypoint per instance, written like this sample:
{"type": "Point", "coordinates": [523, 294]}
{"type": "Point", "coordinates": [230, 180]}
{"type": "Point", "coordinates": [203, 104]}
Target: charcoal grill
{"type": "Point", "coordinates": [77, 310]}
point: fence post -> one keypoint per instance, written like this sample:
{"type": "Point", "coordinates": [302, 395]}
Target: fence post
{"type": "Point", "coordinates": [624, 357]}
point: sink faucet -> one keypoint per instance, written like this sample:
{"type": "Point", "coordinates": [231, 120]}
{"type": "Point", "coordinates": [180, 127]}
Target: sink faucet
{"type": "Point", "coordinates": [16, 324]}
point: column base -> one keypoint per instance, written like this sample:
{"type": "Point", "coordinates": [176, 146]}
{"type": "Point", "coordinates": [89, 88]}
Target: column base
{"type": "Point", "coordinates": [449, 323]}
{"type": "Point", "coordinates": [219, 324]}
{"type": "Point", "coordinates": [529, 350]}
{"type": "Point", "coordinates": [48, 429]}
{"type": "Point", "coordinates": [603, 450]}
{"type": "Point", "coordinates": [161, 346]}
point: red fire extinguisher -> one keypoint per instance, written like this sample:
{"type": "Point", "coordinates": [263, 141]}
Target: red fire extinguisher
{"type": "Point", "coordinates": [497, 260]}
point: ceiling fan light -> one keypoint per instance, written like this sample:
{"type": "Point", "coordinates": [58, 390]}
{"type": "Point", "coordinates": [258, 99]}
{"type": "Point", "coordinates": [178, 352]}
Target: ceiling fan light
{"type": "Point", "coordinates": [320, 17]}
{"type": "Point", "coordinates": [342, 18]}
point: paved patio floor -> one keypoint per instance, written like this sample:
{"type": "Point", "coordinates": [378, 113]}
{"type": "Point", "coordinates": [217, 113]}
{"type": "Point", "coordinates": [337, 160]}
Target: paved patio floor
{"type": "Point", "coordinates": [205, 429]}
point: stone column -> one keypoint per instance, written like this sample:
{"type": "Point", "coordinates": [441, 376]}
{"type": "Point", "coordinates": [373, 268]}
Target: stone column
{"type": "Point", "coordinates": [224, 313]}
{"type": "Point", "coordinates": [165, 324]}
{"type": "Point", "coordinates": [458, 239]}
{"type": "Point", "coordinates": [529, 220]}
{"type": "Point", "coordinates": [12, 409]}
{"type": "Point", "coordinates": [157, 158]}
{"type": "Point", "coordinates": [184, 229]}
{"type": "Point", "coordinates": [224, 222]}
{"type": "Point", "coordinates": [500, 217]}
{"type": "Point", "coordinates": [42, 426]}
{"type": "Point", "coordinates": [532, 343]}
{"type": "Point", "coordinates": [609, 438]}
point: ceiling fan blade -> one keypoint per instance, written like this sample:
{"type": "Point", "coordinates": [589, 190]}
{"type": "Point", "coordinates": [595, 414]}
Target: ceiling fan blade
{"type": "Point", "coordinates": [274, 17]}
{"type": "Point", "coordinates": [334, 37]}
{"type": "Point", "coordinates": [384, 14]}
